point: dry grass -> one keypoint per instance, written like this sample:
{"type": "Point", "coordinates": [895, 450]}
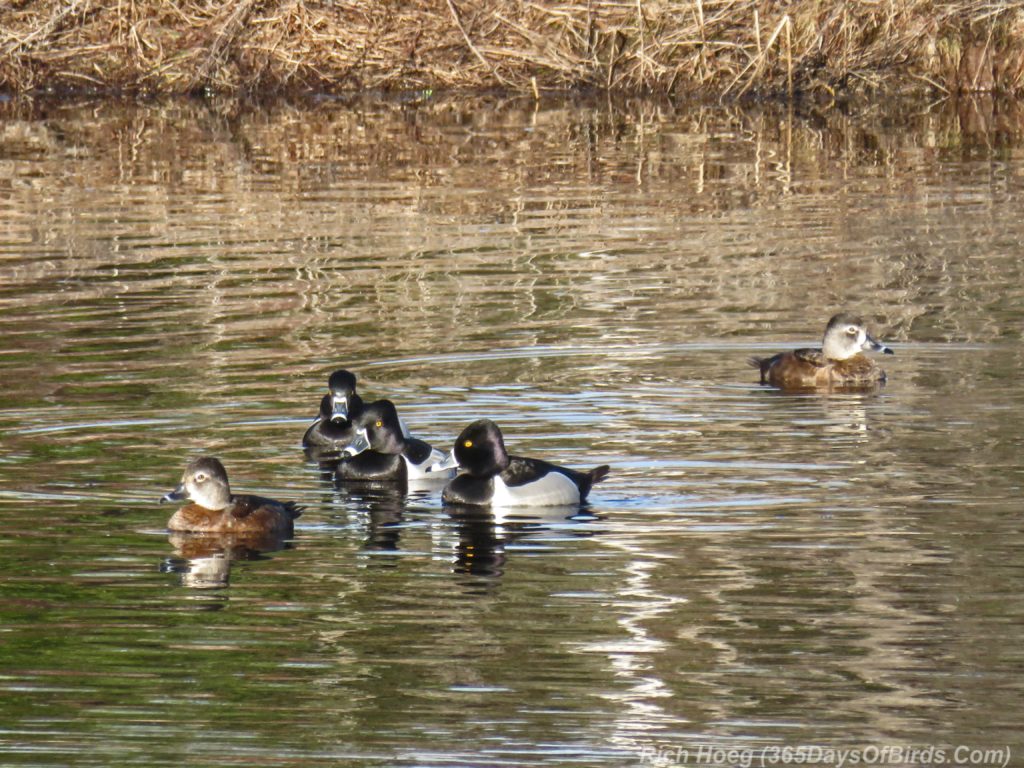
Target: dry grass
{"type": "Point", "coordinates": [692, 47]}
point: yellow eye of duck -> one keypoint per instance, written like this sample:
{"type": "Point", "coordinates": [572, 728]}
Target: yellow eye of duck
{"type": "Point", "coordinates": [379, 424]}
{"type": "Point", "coordinates": [468, 443]}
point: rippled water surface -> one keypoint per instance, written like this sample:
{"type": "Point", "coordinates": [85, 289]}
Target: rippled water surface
{"type": "Point", "coordinates": [758, 570]}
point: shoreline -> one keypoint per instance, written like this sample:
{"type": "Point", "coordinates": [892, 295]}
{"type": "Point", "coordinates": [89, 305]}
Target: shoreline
{"type": "Point", "coordinates": [722, 50]}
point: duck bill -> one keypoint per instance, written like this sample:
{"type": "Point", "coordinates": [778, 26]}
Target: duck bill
{"type": "Point", "coordinates": [448, 462]}
{"type": "Point", "coordinates": [872, 344]}
{"type": "Point", "coordinates": [178, 494]}
{"type": "Point", "coordinates": [339, 409]}
{"type": "Point", "coordinates": [357, 446]}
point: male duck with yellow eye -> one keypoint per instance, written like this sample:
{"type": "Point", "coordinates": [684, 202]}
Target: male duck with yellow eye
{"type": "Point", "coordinates": [381, 451]}
{"type": "Point", "coordinates": [491, 477]}
{"type": "Point", "coordinates": [332, 429]}
{"type": "Point", "coordinates": [839, 364]}
{"type": "Point", "coordinates": [214, 509]}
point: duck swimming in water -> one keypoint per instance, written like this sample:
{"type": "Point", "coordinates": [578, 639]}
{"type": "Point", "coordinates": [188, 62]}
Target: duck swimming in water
{"type": "Point", "coordinates": [491, 477]}
{"type": "Point", "coordinates": [840, 363]}
{"type": "Point", "coordinates": [214, 509]}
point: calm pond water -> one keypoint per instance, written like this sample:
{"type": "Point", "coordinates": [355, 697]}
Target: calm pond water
{"type": "Point", "coordinates": [759, 570]}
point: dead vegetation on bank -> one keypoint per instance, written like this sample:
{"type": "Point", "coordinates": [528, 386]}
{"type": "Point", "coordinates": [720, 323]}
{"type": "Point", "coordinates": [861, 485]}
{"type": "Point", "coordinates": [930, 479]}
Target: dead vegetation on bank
{"type": "Point", "coordinates": [716, 48]}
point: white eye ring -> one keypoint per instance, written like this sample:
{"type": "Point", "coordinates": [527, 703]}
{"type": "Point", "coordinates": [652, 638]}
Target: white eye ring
{"type": "Point", "coordinates": [200, 477]}
{"type": "Point", "coordinates": [853, 330]}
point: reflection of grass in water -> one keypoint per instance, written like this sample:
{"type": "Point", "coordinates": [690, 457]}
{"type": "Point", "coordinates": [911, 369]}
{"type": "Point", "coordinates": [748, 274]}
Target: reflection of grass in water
{"type": "Point", "coordinates": [195, 247]}
{"type": "Point", "coordinates": [711, 48]}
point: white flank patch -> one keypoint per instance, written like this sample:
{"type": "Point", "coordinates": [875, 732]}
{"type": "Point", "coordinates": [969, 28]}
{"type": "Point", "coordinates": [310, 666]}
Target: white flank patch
{"type": "Point", "coordinates": [554, 489]}
{"type": "Point", "coordinates": [422, 471]}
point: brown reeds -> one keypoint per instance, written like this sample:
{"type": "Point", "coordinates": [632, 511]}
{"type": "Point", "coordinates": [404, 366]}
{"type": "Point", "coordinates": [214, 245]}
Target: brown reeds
{"type": "Point", "coordinates": [723, 48]}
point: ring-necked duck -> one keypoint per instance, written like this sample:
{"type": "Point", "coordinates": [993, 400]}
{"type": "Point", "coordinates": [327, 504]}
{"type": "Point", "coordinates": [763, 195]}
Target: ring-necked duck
{"type": "Point", "coordinates": [492, 477]}
{"type": "Point", "coordinates": [381, 450]}
{"type": "Point", "coordinates": [214, 509]}
{"type": "Point", "coordinates": [333, 426]}
{"type": "Point", "coordinates": [838, 364]}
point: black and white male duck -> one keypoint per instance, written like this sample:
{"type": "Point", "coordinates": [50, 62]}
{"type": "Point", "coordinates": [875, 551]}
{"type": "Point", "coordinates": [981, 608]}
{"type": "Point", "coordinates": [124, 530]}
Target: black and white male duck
{"type": "Point", "coordinates": [381, 450]}
{"type": "Point", "coordinates": [491, 477]}
{"type": "Point", "coordinates": [332, 429]}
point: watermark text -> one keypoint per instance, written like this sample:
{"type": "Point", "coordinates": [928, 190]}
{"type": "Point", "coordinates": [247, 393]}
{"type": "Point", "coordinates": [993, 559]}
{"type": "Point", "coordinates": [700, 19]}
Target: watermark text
{"type": "Point", "coordinates": [668, 755]}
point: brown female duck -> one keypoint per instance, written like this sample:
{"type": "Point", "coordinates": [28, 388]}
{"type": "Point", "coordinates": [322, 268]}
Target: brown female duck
{"type": "Point", "coordinates": [214, 509]}
{"type": "Point", "coordinates": [838, 364]}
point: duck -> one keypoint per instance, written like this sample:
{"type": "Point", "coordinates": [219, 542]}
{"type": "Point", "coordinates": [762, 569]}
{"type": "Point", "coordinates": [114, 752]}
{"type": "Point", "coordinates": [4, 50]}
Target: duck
{"type": "Point", "coordinates": [382, 450]}
{"type": "Point", "coordinates": [491, 477]}
{"type": "Point", "coordinates": [214, 509]}
{"type": "Point", "coordinates": [839, 363]}
{"type": "Point", "coordinates": [332, 428]}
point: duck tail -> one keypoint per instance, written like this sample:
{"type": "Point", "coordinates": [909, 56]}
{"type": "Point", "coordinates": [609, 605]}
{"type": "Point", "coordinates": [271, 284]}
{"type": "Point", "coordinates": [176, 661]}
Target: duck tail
{"type": "Point", "coordinates": [762, 364]}
{"type": "Point", "coordinates": [585, 480]}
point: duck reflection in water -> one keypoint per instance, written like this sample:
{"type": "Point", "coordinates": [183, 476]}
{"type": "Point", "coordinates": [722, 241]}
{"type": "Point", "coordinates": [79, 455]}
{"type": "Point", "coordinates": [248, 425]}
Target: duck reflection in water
{"type": "Point", "coordinates": [382, 510]}
{"type": "Point", "coordinates": [204, 560]}
{"type": "Point", "coordinates": [480, 550]}
{"type": "Point", "coordinates": [484, 534]}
